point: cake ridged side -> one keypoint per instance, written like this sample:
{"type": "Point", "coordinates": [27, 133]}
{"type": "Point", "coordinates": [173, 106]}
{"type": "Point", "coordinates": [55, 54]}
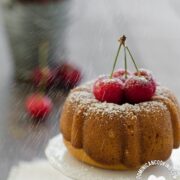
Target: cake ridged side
{"type": "Point", "coordinates": [175, 117]}
{"type": "Point", "coordinates": [121, 134]}
{"type": "Point", "coordinates": [156, 131]}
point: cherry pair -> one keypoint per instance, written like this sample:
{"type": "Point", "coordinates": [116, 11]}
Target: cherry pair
{"type": "Point", "coordinates": [137, 87]}
{"type": "Point", "coordinates": [123, 86]}
{"type": "Point", "coordinates": [66, 76]}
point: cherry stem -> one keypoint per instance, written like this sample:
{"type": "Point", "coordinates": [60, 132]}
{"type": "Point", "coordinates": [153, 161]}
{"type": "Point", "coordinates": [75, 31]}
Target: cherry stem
{"type": "Point", "coordinates": [125, 62]}
{"type": "Point", "coordinates": [115, 62]}
{"type": "Point", "coordinates": [137, 69]}
{"type": "Point", "coordinates": [43, 63]}
{"type": "Point", "coordinates": [122, 41]}
{"type": "Point", "coordinates": [43, 54]}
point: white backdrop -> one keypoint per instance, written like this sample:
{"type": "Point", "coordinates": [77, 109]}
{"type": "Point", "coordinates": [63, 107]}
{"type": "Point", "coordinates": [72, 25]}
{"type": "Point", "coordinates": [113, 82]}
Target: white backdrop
{"type": "Point", "coordinates": [152, 28]}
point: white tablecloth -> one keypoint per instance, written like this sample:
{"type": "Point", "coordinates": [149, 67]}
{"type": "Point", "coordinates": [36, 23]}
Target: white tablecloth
{"type": "Point", "coordinates": [35, 170]}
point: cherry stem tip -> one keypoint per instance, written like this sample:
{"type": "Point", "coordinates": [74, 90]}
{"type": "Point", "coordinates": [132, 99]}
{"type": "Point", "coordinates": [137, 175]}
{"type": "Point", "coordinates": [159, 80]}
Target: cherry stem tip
{"type": "Point", "coordinates": [122, 42]}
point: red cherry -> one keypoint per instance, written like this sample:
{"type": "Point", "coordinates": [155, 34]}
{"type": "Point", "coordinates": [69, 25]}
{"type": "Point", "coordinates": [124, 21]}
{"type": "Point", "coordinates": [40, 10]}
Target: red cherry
{"type": "Point", "coordinates": [109, 90]}
{"type": "Point", "coordinates": [120, 73]}
{"type": "Point", "coordinates": [68, 75]}
{"type": "Point", "coordinates": [148, 75]}
{"type": "Point", "coordinates": [139, 88]}
{"type": "Point", "coordinates": [38, 106]}
{"type": "Point", "coordinates": [43, 77]}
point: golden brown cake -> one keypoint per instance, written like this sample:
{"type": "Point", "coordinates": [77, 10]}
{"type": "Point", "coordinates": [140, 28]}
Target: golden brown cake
{"type": "Point", "coordinates": [113, 136]}
{"type": "Point", "coordinates": [121, 120]}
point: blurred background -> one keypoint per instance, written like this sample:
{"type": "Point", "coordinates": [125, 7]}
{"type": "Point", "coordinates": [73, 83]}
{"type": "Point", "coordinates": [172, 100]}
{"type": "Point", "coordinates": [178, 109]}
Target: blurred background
{"type": "Point", "coordinates": [75, 40]}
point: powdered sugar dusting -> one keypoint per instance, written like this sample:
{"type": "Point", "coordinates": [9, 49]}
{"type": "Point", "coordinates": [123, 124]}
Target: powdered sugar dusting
{"type": "Point", "coordinates": [162, 91]}
{"type": "Point", "coordinates": [85, 99]}
{"type": "Point", "coordinates": [137, 80]}
{"type": "Point", "coordinates": [110, 80]}
{"type": "Point", "coordinates": [150, 106]}
{"type": "Point", "coordinates": [149, 73]}
{"type": "Point", "coordinates": [82, 97]}
{"type": "Point", "coordinates": [108, 108]}
{"type": "Point", "coordinates": [140, 78]}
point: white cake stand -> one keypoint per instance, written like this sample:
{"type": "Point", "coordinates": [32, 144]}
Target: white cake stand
{"type": "Point", "coordinates": [60, 159]}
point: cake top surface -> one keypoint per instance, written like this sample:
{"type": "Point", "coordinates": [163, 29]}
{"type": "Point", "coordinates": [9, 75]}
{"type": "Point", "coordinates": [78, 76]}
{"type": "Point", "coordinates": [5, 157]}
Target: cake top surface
{"type": "Point", "coordinates": [83, 97]}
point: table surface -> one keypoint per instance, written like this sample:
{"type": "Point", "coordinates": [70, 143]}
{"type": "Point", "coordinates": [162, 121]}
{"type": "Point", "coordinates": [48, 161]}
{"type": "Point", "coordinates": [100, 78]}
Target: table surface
{"type": "Point", "coordinates": [153, 35]}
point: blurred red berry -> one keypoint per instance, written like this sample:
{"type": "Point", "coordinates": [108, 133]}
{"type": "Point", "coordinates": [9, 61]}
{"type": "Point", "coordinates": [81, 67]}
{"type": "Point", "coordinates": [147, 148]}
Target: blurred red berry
{"type": "Point", "coordinates": [43, 77]}
{"type": "Point", "coordinates": [38, 106]}
{"type": "Point", "coordinates": [68, 75]}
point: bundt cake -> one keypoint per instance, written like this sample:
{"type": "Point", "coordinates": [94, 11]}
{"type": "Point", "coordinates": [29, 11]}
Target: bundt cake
{"type": "Point", "coordinates": [121, 121]}
{"type": "Point", "coordinates": [124, 136]}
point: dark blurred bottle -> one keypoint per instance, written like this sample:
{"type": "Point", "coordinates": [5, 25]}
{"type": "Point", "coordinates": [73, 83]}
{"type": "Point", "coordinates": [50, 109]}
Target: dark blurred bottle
{"type": "Point", "coordinates": [28, 24]}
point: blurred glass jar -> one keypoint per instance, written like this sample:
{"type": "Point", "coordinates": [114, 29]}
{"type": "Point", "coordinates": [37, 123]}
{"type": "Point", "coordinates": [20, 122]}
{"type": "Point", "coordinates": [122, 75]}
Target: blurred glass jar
{"type": "Point", "coordinates": [31, 22]}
